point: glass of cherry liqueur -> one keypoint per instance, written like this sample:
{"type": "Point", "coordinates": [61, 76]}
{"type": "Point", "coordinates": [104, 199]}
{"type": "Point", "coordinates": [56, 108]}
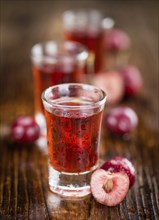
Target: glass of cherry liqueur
{"type": "Point", "coordinates": [55, 63]}
{"type": "Point", "coordinates": [85, 26]}
{"type": "Point", "coordinates": [73, 114]}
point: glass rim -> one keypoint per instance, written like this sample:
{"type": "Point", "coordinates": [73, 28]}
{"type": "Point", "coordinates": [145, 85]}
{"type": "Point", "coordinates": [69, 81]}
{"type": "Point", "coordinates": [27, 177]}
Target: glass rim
{"type": "Point", "coordinates": [86, 11]}
{"type": "Point", "coordinates": [92, 105]}
{"type": "Point", "coordinates": [82, 18]}
{"type": "Point", "coordinates": [81, 55]}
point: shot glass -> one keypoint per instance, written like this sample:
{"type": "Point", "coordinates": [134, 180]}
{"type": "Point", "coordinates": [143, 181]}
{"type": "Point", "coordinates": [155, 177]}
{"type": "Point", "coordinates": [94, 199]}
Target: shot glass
{"type": "Point", "coordinates": [73, 114]}
{"type": "Point", "coordinates": [85, 26]}
{"type": "Point", "coordinates": [55, 63]}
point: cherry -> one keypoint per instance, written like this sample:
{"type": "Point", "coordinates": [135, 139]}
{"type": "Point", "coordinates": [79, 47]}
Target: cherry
{"type": "Point", "coordinates": [121, 164]}
{"type": "Point", "coordinates": [117, 40]}
{"type": "Point", "coordinates": [132, 80]}
{"type": "Point", "coordinates": [121, 120]}
{"type": "Point", "coordinates": [25, 129]}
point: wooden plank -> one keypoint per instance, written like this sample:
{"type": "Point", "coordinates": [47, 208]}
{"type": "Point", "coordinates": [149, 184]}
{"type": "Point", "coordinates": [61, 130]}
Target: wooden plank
{"type": "Point", "coordinates": [6, 183]}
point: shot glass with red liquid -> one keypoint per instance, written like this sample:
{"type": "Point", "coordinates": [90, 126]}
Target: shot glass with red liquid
{"type": "Point", "coordinates": [85, 26]}
{"type": "Point", "coordinates": [55, 63]}
{"type": "Point", "coordinates": [73, 114]}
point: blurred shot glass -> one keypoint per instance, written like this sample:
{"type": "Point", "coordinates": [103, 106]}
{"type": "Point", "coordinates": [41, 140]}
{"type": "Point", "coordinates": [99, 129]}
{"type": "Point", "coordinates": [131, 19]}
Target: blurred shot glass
{"type": "Point", "coordinates": [55, 63]}
{"type": "Point", "coordinates": [85, 26]}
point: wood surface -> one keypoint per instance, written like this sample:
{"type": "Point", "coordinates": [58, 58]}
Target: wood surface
{"type": "Point", "coordinates": [24, 192]}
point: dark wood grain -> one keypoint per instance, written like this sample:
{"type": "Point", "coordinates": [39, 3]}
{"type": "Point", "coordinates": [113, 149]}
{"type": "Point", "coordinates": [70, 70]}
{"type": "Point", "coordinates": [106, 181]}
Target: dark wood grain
{"type": "Point", "coordinates": [24, 192]}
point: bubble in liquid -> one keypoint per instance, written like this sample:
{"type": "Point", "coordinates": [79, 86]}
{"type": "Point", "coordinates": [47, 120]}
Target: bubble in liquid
{"type": "Point", "coordinates": [86, 135]}
{"type": "Point", "coordinates": [83, 126]}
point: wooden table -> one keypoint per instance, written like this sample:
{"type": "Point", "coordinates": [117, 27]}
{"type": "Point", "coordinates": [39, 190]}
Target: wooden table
{"type": "Point", "coordinates": [24, 190]}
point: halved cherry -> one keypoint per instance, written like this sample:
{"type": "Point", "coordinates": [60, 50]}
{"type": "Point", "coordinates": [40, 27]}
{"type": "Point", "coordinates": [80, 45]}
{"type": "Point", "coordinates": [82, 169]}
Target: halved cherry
{"type": "Point", "coordinates": [109, 188]}
{"type": "Point", "coordinates": [112, 83]}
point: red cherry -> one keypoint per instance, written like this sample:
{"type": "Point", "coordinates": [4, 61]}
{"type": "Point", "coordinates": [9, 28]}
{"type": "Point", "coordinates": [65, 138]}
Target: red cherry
{"type": "Point", "coordinates": [132, 80]}
{"type": "Point", "coordinates": [121, 120]}
{"type": "Point", "coordinates": [25, 129]}
{"type": "Point", "coordinates": [117, 40]}
{"type": "Point", "coordinates": [120, 164]}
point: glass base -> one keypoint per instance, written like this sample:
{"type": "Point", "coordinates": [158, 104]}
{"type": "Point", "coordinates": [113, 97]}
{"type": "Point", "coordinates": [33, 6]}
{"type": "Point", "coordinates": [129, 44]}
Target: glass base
{"type": "Point", "coordinates": [70, 184]}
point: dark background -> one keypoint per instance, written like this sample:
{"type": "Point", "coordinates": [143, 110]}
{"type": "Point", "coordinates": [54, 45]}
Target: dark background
{"type": "Point", "coordinates": [24, 23]}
